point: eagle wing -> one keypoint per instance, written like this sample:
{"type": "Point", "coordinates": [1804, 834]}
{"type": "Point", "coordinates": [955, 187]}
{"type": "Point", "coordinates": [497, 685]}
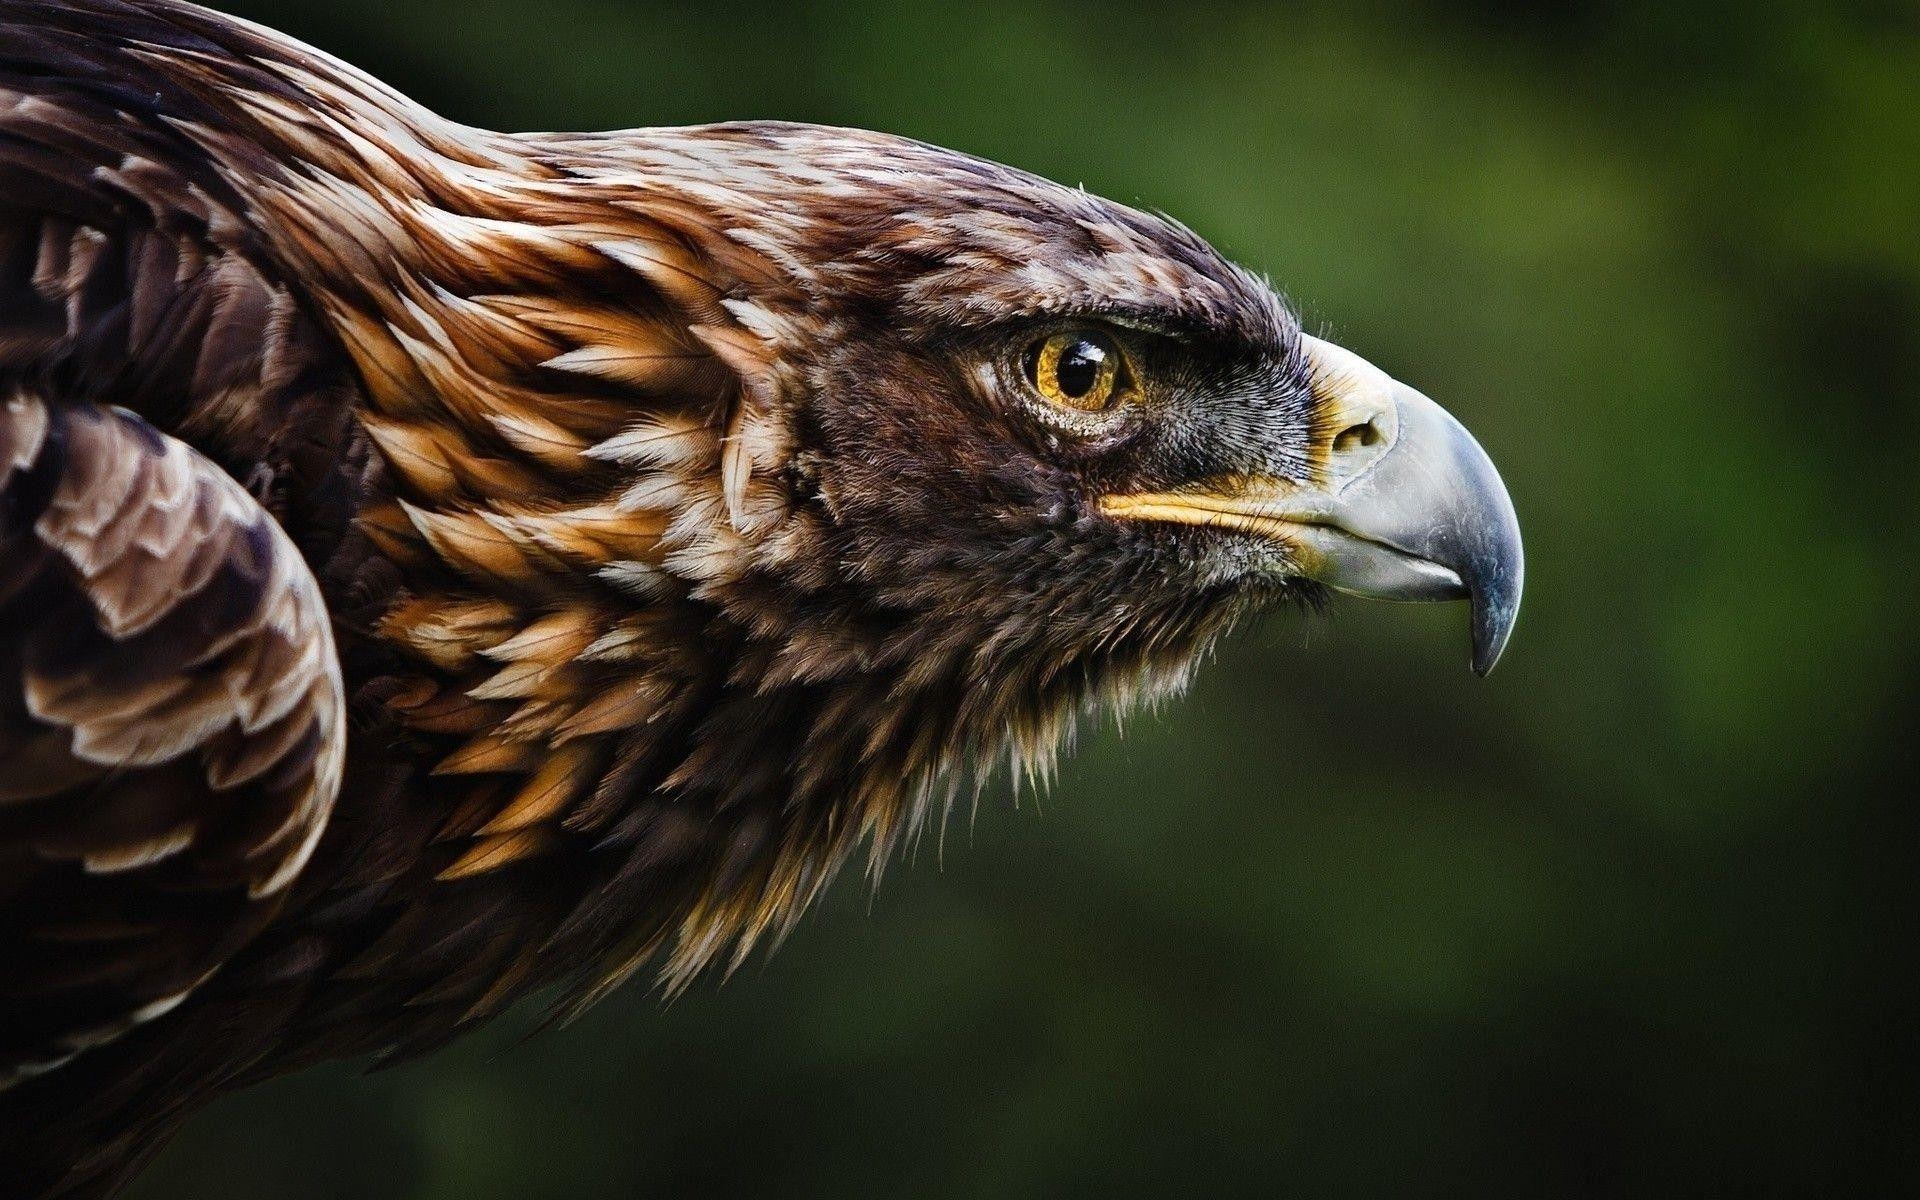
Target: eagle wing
{"type": "Point", "coordinates": [171, 724]}
{"type": "Point", "coordinates": [172, 720]}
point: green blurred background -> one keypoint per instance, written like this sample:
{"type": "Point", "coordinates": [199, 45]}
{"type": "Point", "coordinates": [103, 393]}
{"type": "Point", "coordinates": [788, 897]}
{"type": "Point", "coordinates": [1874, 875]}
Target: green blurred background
{"type": "Point", "coordinates": [1626, 918]}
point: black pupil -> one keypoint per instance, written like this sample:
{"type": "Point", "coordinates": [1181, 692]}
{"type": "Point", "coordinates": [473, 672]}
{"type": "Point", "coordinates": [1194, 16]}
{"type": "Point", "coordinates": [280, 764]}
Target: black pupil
{"type": "Point", "coordinates": [1079, 367]}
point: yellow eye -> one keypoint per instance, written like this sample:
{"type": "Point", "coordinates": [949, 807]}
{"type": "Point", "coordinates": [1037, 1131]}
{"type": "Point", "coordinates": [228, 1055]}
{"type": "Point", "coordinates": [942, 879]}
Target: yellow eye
{"type": "Point", "coordinates": [1079, 370]}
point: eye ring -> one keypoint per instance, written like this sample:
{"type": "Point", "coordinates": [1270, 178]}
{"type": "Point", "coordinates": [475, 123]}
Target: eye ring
{"type": "Point", "coordinates": [1081, 369]}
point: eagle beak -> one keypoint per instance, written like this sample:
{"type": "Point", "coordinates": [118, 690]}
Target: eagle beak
{"type": "Point", "coordinates": [1406, 505]}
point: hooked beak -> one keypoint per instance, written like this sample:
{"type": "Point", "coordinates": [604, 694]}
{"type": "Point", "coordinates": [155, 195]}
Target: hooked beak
{"type": "Point", "coordinates": [1407, 505]}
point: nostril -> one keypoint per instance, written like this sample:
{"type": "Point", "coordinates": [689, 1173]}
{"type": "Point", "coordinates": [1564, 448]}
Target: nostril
{"type": "Point", "coordinates": [1356, 437]}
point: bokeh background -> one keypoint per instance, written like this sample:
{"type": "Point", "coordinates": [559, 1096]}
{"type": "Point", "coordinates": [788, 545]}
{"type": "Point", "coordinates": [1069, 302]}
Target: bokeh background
{"type": "Point", "coordinates": [1635, 916]}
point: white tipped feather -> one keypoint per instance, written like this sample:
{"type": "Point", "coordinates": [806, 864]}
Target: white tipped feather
{"type": "Point", "coordinates": [660, 440]}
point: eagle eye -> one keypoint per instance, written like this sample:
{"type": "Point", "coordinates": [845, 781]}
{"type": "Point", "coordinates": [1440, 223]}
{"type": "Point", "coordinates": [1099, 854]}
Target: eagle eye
{"type": "Point", "coordinates": [1079, 369]}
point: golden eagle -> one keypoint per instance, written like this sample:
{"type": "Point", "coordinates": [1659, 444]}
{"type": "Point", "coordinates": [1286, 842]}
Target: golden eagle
{"type": "Point", "coordinates": [436, 564]}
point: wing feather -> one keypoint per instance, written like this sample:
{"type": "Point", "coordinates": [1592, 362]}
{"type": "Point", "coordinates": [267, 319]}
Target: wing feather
{"type": "Point", "coordinates": [172, 724]}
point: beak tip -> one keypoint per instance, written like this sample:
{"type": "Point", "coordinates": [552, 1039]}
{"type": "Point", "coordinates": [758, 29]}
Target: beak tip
{"type": "Point", "coordinates": [1489, 554]}
{"type": "Point", "coordinates": [1496, 608]}
{"type": "Point", "coordinates": [1487, 655]}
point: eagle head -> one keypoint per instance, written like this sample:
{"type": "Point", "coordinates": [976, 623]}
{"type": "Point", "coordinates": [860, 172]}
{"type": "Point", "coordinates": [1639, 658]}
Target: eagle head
{"type": "Point", "coordinates": [782, 477]}
{"type": "Point", "coordinates": [1037, 428]}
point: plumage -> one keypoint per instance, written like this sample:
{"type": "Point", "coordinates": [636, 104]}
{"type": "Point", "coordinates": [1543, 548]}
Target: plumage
{"type": "Point", "coordinates": [437, 564]}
